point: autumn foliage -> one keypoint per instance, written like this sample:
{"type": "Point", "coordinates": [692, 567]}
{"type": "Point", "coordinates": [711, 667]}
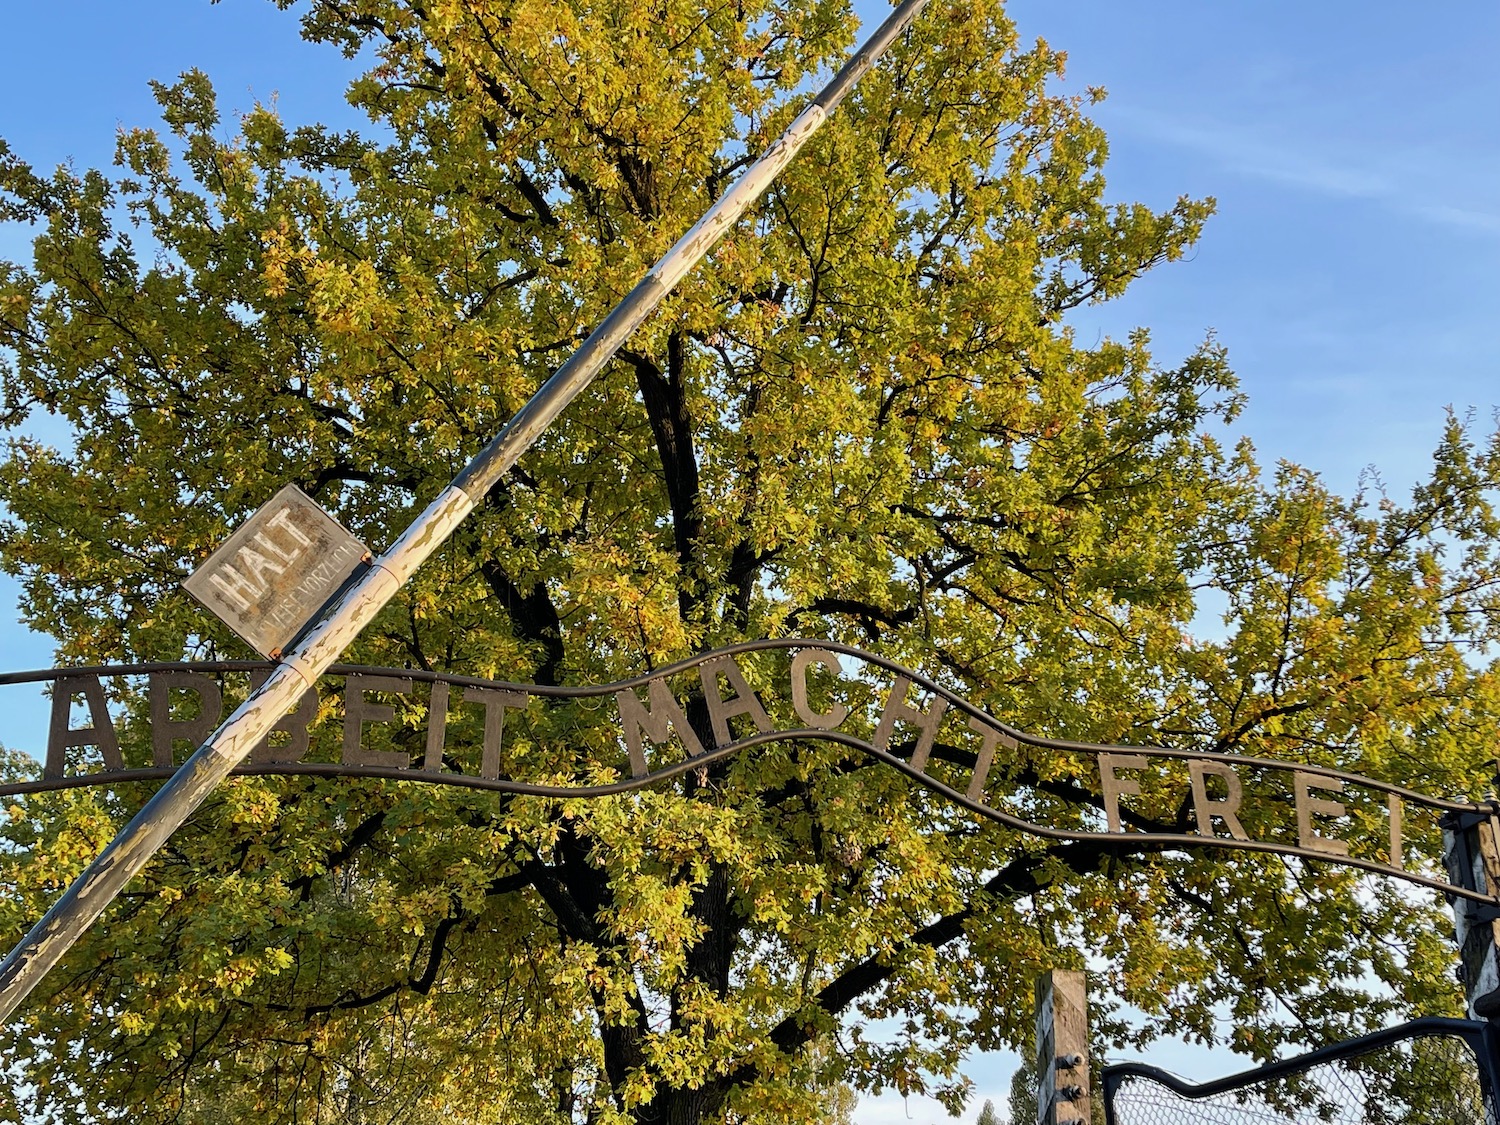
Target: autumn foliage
{"type": "Point", "coordinates": [864, 418]}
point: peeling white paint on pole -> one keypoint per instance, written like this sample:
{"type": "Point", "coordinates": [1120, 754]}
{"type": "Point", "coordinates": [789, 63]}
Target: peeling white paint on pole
{"type": "Point", "coordinates": [437, 521]}
{"type": "Point", "coordinates": [685, 254]}
{"type": "Point", "coordinates": [91, 892]}
{"type": "Point", "coordinates": [351, 613]}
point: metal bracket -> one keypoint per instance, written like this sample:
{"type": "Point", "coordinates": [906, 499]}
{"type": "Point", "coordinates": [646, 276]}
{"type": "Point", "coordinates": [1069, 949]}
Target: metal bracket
{"type": "Point", "coordinates": [1463, 821]}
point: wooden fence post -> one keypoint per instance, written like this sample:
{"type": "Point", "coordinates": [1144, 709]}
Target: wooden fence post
{"type": "Point", "coordinates": [1062, 1049]}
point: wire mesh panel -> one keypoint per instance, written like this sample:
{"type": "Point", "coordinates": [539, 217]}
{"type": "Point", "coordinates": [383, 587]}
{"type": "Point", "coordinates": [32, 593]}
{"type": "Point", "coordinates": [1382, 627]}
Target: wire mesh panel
{"type": "Point", "coordinates": [1430, 1072]}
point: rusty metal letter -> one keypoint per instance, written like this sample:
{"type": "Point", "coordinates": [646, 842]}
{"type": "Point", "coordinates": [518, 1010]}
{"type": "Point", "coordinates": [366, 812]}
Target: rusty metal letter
{"type": "Point", "coordinates": [1309, 806]}
{"type": "Point", "coordinates": [898, 710]}
{"type": "Point", "coordinates": [63, 735]}
{"type": "Point", "coordinates": [991, 737]}
{"type": "Point", "coordinates": [358, 711]}
{"type": "Point", "coordinates": [1114, 787]}
{"type": "Point", "coordinates": [1227, 810]}
{"type": "Point", "coordinates": [437, 727]}
{"type": "Point", "coordinates": [1398, 854]}
{"type": "Point", "coordinates": [816, 720]}
{"type": "Point", "coordinates": [166, 730]}
{"type": "Point", "coordinates": [665, 715]}
{"type": "Point", "coordinates": [743, 702]}
{"type": "Point", "coordinates": [494, 702]}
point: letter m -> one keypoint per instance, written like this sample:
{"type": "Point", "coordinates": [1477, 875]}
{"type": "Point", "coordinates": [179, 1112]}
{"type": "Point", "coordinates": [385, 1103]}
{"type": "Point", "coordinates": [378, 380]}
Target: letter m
{"type": "Point", "coordinates": [656, 723]}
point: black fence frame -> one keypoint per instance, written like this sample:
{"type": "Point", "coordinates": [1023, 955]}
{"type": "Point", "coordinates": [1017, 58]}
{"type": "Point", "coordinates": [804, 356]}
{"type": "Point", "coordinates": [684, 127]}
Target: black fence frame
{"type": "Point", "coordinates": [1483, 1038]}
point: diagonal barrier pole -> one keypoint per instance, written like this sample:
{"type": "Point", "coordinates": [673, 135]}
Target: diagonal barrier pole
{"type": "Point", "coordinates": [82, 903]}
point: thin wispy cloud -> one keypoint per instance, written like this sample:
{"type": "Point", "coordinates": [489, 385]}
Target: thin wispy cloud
{"type": "Point", "coordinates": [1417, 184]}
{"type": "Point", "coordinates": [1487, 222]}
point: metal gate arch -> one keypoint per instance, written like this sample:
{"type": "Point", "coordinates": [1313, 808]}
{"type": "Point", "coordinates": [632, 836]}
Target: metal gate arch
{"type": "Point", "coordinates": [1215, 789]}
{"type": "Point", "coordinates": [651, 740]}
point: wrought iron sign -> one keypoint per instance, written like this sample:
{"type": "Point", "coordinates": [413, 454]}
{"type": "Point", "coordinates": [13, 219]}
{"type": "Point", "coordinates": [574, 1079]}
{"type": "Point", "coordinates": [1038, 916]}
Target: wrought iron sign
{"type": "Point", "coordinates": [413, 725]}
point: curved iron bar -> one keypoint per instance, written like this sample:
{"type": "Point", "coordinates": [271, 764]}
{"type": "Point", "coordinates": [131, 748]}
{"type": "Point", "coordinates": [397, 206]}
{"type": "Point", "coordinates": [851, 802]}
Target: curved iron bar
{"type": "Point", "coordinates": [955, 700]}
{"type": "Point", "coordinates": [1159, 841]}
{"type": "Point", "coordinates": [41, 675]}
{"type": "Point", "coordinates": [1156, 840]}
{"type": "Point", "coordinates": [1472, 1032]}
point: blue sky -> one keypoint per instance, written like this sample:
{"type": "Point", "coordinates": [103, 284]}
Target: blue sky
{"type": "Point", "coordinates": [1352, 147]}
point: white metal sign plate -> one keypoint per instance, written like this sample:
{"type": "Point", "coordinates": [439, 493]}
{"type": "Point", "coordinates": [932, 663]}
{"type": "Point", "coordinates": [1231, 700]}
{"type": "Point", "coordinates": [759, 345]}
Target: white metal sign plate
{"type": "Point", "coordinates": [268, 578]}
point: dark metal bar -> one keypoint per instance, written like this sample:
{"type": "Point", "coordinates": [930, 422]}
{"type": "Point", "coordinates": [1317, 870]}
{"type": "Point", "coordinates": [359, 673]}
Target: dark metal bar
{"type": "Point", "coordinates": [75, 911]}
{"type": "Point", "coordinates": [1474, 1033]}
{"type": "Point", "coordinates": [1489, 1069]}
{"type": "Point", "coordinates": [1443, 804]}
{"type": "Point", "coordinates": [41, 675]}
{"type": "Point", "coordinates": [1145, 841]}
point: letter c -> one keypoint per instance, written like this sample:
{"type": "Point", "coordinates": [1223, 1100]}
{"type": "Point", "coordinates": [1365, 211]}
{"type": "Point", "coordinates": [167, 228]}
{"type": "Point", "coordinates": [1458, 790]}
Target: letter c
{"type": "Point", "coordinates": [837, 713]}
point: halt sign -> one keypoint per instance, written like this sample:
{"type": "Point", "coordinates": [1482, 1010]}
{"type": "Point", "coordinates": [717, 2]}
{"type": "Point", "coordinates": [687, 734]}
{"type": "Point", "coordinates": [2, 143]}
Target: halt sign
{"type": "Point", "coordinates": [277, 570]}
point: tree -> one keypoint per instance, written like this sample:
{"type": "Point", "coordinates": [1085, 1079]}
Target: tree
{"type": "Point", "coordinates": [988, 1116]}
{"type": "Point", "coordinates": [864, 419]}
{"type": "Point", "coordinates": [1024, 1089]}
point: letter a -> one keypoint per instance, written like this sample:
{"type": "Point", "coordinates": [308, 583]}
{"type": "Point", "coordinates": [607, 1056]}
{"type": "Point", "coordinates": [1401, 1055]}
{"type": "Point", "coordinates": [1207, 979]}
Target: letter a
{"type": "Point", "coordinates": [62, 734]}
{"type": "Point", "coordinates": [743, 702]}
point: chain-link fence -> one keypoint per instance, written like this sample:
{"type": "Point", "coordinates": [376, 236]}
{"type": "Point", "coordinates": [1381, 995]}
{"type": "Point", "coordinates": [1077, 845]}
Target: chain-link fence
{"type": "Point", "coordinates": [1428, 1072]}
